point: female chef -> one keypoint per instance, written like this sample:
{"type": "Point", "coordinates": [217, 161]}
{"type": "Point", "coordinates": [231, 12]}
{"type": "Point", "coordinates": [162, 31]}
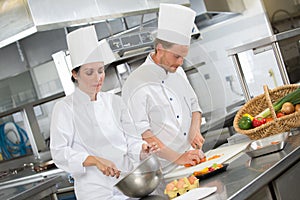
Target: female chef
{"type": "Point", "coordinates": [88, 137]}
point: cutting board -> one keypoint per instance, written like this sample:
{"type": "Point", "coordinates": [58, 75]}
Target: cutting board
{"type": "Point", "coordinates": [227, 153]}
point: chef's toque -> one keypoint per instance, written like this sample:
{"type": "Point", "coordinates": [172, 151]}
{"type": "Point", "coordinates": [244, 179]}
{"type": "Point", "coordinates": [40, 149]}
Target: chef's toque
{"type": "Point", "coordinates": [175, 23]}
{"type": "Point", "coordinates": [84, 47]}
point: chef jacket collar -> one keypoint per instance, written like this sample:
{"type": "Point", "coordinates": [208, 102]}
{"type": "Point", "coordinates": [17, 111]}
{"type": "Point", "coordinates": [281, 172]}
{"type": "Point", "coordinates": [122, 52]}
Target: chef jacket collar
{"type": "Point", "coordinates": [161, 73]}
{"type": "Point", "coordinates": [85, 98]}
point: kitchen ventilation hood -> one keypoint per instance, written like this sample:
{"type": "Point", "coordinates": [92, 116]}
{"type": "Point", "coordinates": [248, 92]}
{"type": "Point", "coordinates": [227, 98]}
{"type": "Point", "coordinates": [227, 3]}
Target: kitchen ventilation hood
{"type": "Point", "coordinates": [210, 12]}
{"type": "Point", "coordinates": [21, 18]}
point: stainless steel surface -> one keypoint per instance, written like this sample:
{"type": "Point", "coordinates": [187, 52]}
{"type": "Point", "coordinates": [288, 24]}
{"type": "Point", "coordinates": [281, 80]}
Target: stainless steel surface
{"type": "Point", "coordinates": [34, 190]}
{"type": "Point", "coordinates": [33, 130]}
{"type": "Point", "coordinates": [21, 18]}
{"type": "Point", "coordinates": [271, 40]}
{"type": "Point", "coordinates": [264, 41]}
{"type": "Point", "coordinates": [287, 34]}
{"type": "Point", "coordinates": [16, 21]}
{"type": "Point", "coordinates": [267, 145]}
{"type": "Point", "coordinates": [143, 179]}
{"type": "Point", "coordinates": [210, 12]}
{"type": "Point", "coordinates": [246, 176]}
{"type": "Point", "coordinates": [286, 191]}
{"type": "Point", "coordinates": [280, 63]}
{"type": "Point", "coordinates": [241, 77]}
{"type": "Point", "coordinates": [203, 6]}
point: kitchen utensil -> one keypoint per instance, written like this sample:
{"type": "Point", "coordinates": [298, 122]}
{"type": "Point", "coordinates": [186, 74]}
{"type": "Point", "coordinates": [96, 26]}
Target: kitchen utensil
{"type": "Point", "coordinates": [143, 179]}
{"type": "Point", "coordinates": [267, 145]}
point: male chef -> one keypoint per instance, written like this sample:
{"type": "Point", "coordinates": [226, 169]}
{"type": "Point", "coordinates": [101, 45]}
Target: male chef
{"type": "Point", "coordinates": [161, 101]}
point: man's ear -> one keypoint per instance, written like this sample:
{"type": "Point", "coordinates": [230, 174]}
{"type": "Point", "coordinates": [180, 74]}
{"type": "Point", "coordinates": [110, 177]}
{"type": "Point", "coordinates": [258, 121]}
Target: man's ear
{"type": "Point", "coordinates": [159, 46]}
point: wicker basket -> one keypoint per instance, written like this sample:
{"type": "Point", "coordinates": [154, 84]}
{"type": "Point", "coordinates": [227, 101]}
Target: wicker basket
{"type": "Point", "coordinates": [259, 104]}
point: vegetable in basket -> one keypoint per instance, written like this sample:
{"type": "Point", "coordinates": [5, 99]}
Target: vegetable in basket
{"type": "Point", "coordinates": [258, 121]}
{"type": "Point", "coordinates": [245, 123]}
{"type": "Point", "coordinates": [293, 97]}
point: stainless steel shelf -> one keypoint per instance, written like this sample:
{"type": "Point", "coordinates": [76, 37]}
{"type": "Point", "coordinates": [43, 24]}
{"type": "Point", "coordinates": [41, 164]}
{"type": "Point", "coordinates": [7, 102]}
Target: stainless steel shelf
{"type": "Point", "coordinates": [267, 43]}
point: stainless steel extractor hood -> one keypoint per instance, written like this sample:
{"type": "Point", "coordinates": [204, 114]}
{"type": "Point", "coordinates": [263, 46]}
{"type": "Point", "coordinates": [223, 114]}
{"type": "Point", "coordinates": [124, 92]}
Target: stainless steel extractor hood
{"type": "Point", "coordinates": [210, 12]}
{"type": "Point", "coordinates": [21, 18]}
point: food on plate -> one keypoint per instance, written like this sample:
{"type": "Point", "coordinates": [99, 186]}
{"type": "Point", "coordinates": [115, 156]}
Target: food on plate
{"type": "Point", "coordinates": [214, 157]}
{"type": "Point", "coordinates": [181, 186]}
{"type": "Point", "coordinates": [205, 159]}
{"type": "Point", "coordinates": [206, 170]}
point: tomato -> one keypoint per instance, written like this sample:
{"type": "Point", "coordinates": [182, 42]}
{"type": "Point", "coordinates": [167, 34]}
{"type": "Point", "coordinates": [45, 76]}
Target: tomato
{"type": "Point", "coordinates": [279, 114]}
{"type": "Point", "coordinates": [258, 121]}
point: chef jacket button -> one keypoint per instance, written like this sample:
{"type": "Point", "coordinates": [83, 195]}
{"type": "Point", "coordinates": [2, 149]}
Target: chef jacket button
{"type": "Point", "coordinates": [163, 81]}
{"type": "Point", "coordinates": [177, 116]}
{"type": "Point", "coordinates": [171, 99]}
{"type": "Point", "coordinates": [184, 133]}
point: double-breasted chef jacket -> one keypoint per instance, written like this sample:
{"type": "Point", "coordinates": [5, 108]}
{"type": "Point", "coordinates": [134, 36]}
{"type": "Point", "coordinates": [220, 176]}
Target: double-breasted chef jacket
{"type": "Point", "coordinates": [81, 127]}
{"type": "Point", "coordinates": [163, 103]}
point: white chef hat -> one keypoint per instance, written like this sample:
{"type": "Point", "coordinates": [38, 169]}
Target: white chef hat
{"type": "Point", "coordinates": [84, 47]}
{"type": "Point", "coordinates": [175, 23]}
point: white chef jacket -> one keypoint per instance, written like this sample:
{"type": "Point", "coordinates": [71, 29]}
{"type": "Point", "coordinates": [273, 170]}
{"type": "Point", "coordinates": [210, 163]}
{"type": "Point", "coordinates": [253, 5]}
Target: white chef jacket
{"type": "Point", "coordinates": [163, 103]}
{"type": "Point", "coordinates": [81, 127]}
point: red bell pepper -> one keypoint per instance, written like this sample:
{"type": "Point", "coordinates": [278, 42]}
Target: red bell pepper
{"type": "Point", "coordinates": [258, 121]}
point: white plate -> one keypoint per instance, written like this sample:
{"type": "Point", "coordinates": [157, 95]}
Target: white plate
{"type": "Point", "coordinates": [197, 193]}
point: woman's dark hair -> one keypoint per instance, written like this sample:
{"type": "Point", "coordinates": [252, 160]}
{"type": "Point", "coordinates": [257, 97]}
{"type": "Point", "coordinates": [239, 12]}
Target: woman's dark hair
{"type": "Point", "coordinates": [77, 71]}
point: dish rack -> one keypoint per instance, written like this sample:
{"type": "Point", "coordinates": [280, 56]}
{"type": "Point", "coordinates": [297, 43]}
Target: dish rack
{"type": "Point", "coordinates": [259, 104]}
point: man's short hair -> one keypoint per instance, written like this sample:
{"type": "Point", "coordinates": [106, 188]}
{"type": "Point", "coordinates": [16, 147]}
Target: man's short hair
{"type": "Point", "coordinates": [165, 44]}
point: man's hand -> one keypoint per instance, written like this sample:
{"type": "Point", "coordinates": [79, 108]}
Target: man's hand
{"type": "Point", "coordinates": [195, 137]}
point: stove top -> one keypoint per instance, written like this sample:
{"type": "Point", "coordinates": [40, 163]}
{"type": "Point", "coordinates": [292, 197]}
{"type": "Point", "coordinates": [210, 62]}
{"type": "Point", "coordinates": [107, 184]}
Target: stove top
{"type": "Point", "coordinates": [10, 172]}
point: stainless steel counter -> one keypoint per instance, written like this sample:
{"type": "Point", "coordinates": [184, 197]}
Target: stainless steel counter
{"type": "Point", "coordinates": [246, 177]}
{"type": "Point", "coordinates": [27, 184]}
{"type": "Point", "coordinates": [32, 190]}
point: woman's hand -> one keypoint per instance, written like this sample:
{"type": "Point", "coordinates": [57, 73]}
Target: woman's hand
{"type": "Point", "coordinates": [107, 167]}
{"type": "Point", "coordinates": [148, 148]}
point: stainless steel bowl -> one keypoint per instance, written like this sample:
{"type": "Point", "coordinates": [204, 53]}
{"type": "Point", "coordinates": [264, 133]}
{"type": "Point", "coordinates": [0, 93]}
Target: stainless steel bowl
{"type": "Point", "coordinates": [143, 180]}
